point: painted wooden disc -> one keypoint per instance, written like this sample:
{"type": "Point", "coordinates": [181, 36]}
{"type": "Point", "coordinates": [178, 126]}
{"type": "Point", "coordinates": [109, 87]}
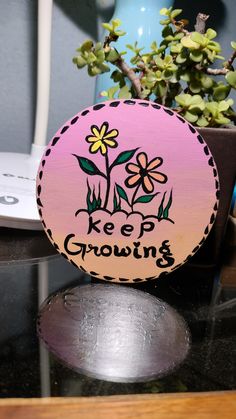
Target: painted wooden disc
{"type": "Point", "coordinates": [127, 190]}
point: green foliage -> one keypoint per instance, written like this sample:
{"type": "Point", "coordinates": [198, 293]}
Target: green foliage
{"type": "Point", "coordinates": [93, 202]}
{"type": "Point", "coordinates": [178, 73]}
{"type": "Point", "coordinates": [121, 192]}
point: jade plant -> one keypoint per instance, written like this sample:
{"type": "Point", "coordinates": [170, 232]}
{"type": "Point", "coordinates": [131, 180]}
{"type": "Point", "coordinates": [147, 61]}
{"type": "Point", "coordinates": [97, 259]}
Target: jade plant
{"type": "Point", "coordinates": [180, 73]}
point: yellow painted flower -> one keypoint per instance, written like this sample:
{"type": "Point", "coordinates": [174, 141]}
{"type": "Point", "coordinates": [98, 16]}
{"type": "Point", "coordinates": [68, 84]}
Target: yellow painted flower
{"type": "Point", "coordinates": [102, 138]}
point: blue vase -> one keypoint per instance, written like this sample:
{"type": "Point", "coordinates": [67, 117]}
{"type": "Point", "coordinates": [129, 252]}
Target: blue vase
{"type": "Point", "coordinates": [140, 19]}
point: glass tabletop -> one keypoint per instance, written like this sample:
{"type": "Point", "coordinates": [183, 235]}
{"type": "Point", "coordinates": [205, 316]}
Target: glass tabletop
{"type": "Point", "coordinates": [27, 369]}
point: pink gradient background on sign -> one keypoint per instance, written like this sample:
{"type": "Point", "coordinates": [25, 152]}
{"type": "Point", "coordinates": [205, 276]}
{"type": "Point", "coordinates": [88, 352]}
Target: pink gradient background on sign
{"type": "Point", "coordinates": [64, 186]}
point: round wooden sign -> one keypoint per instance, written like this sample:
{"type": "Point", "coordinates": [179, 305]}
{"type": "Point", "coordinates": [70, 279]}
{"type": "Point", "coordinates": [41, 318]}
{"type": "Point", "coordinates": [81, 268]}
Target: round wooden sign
{"type": "Point", "coordinates": [127, 190]}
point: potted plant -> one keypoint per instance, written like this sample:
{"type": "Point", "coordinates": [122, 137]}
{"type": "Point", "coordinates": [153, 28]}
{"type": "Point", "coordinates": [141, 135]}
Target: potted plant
{"type": "Point", "coordinates": [179, 73]}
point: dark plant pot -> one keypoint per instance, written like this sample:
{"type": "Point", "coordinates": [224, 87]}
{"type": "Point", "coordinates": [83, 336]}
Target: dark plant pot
{"type": "Point", "coordinates": [222, 143]}
{"type": "Point", "coordinates": [203, 266]}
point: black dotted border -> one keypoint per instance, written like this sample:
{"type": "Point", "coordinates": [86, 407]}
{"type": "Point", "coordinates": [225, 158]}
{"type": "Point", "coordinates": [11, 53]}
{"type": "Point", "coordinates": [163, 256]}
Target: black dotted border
{"type": "Point", "coordinates": [115, 104]}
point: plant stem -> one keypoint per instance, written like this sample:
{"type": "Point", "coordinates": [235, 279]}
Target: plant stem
{"type": "Point", "coordinates": [108, 181]}
{"type": "Point", "coordinates": [134, 196]}
{"type": "Point", "coordinates": [124, 68]}
{"type": "Point", "coordinates": [130, 74]}
{"type": "Point", "coordinates": [200, 25]}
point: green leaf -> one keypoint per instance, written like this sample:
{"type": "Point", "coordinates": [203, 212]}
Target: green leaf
{"type": "Point", "coordinates": [221, 92]}
{"type": "Point", "coordinates": [187, 42]}
{"type": "Point", "coordinates": [164, 11]}
{"type": "Point", "coordinates": [115, 202]}
{"type": "Point", "coordinates": [225, 104]}
{"type": "Point", "coordinates": [112, 56]}
{"type": "Point", "coordinates": [107, 26]}
{"type": "Point", "coordinates": [111, 91]}
{"type": "Point", "coordinates": [165, 22]}
{"type": "Point", "coordinates": [210, 33]}
{"type": "Point", "coordinates": [124, 93]}
{"type": "Point", "coordinates": [231, 78]}
{"type": "Point", "coordinates": [160, 209]}
{"type": "Point", "coordinates": [196, 56]}
{"type": "Point", "coordinates": [121, 192]}
{"type": "Point", "coordinates": [176, 48]}
{"type": "Point", "coordinates": [89, 205]}
{"type": "Point", "coordinates": [80, 62]}
{"type": "Point", "coordinates": [166, 210]}
{"type": "Point", "coordinates": [233, 44]}
{"type": "Point", "coordinates": [199, 38]}
{"type": "Point", "coordinates": [123, 157]}
{"type": "Point", "coordinates": [116, 23]}
{"type": "Point", "coordinates": [144, 199]}
{"type": "Point", "coordinates": [91, 58]}
{"type": "Point", "coordinates": [202, 122]}
{"type": "Point", "coordinates": [175, 12]}
{"type": "Point", "coordinates": [206, 81]}
{"type": "Point", "coordinates": [190, 117]}
{"type": "Point", "coordinates": [86, 46]}
{"type": "Point", "coordinates": [195, 86]}
{"type": "Point", "coordinates": [88, 166]}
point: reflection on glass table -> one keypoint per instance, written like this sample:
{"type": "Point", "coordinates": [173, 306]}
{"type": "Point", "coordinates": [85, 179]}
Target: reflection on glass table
{"type": "Point", "coordinates": [27, 369]}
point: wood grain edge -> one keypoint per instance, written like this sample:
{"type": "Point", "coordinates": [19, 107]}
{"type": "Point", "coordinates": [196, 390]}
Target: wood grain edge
{"type": "Point", "coordinates": [220, 405]}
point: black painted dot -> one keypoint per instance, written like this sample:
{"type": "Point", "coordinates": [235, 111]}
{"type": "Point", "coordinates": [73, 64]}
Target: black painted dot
{"type": "Point", "coordinates": [163, 274]}
{"type": "Point", "coordinates": [85, 112]}
{"type": "Point", "coordinates": [48, 151]}
{"type": "Point", "coordinates": [64, 129]}
{"type": "Point", "coordinates": [82, 269]}
{"type": "Point", "coordinates": [212, 218]}
{"type": "Point", "coordinates": [39, 202]}
{"type": "Point", "coordinates": [156, 106]}
{"type": "Point", "coordinates": [43, 163]}
{"type": "Point", "coordinates": [39, 189]}
{"type": "Point", "coordinates": [206, 150]}
{"type": "Point", "coordinates": [129, 102]}
{"type": "Point", "coordinates": [171, 113]}
{"type": "Point", "coordinates": [202, 241]}
{"type": "Point", "coordinates": [150, 278]}
{"type": "Point", "coordinates": [40, 212]}
{"type": "Point", "coordinates": [206, 230]}
{"type": "Point", "coordinates": [93, 273]}
{"type": "Point", "coordinates": [114, 104]}
{"type": "Point", "coordinates": [99, 106]}
{"type": "Point", "coordinates": [188, 258]}
{"type": "Point", "coordinates": [56, 246]}
{"type": "Point", "coordinates": [145, 104]}
{"type": "Point", "coordinates": [40, 174]}
{"type": "Point", "coordinates": [74, 120]}
{"type": "Point", "coordinates": [55, 140]}
{"type": "Point", "coordinates": [109, 278]}
{"type": "Point", "coordinates": [49, 232]}
{"type": "Point", "coordinates": [73, 263]}
{"type": "Point", "coordinates": [44, 224]}
{"type": "Point", "coordinates": [218, 194]}
{"type": "Point", "coordinates": [217, 184]}
{"type": "Point", "coordinates": [211, 162]}
{"type": "Point", "coordinates": [123, 279]}
{"type": "Point", "coordinates": [137, 280]}
{"type": "Point", "coordinates": [215, 206]}
{"type": "Point", "coordinates": [181, 119]}
{"type": "Point", "coordinates": [64, 255]}
{"type": "Point", "coordinates": [200, 139]}
{"type": "Point", "coordinates": [195, 249]}
{"type": "Point", "coordinates": [191, 129]}
{"type": "Point", "coordinates": [214, 172]}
